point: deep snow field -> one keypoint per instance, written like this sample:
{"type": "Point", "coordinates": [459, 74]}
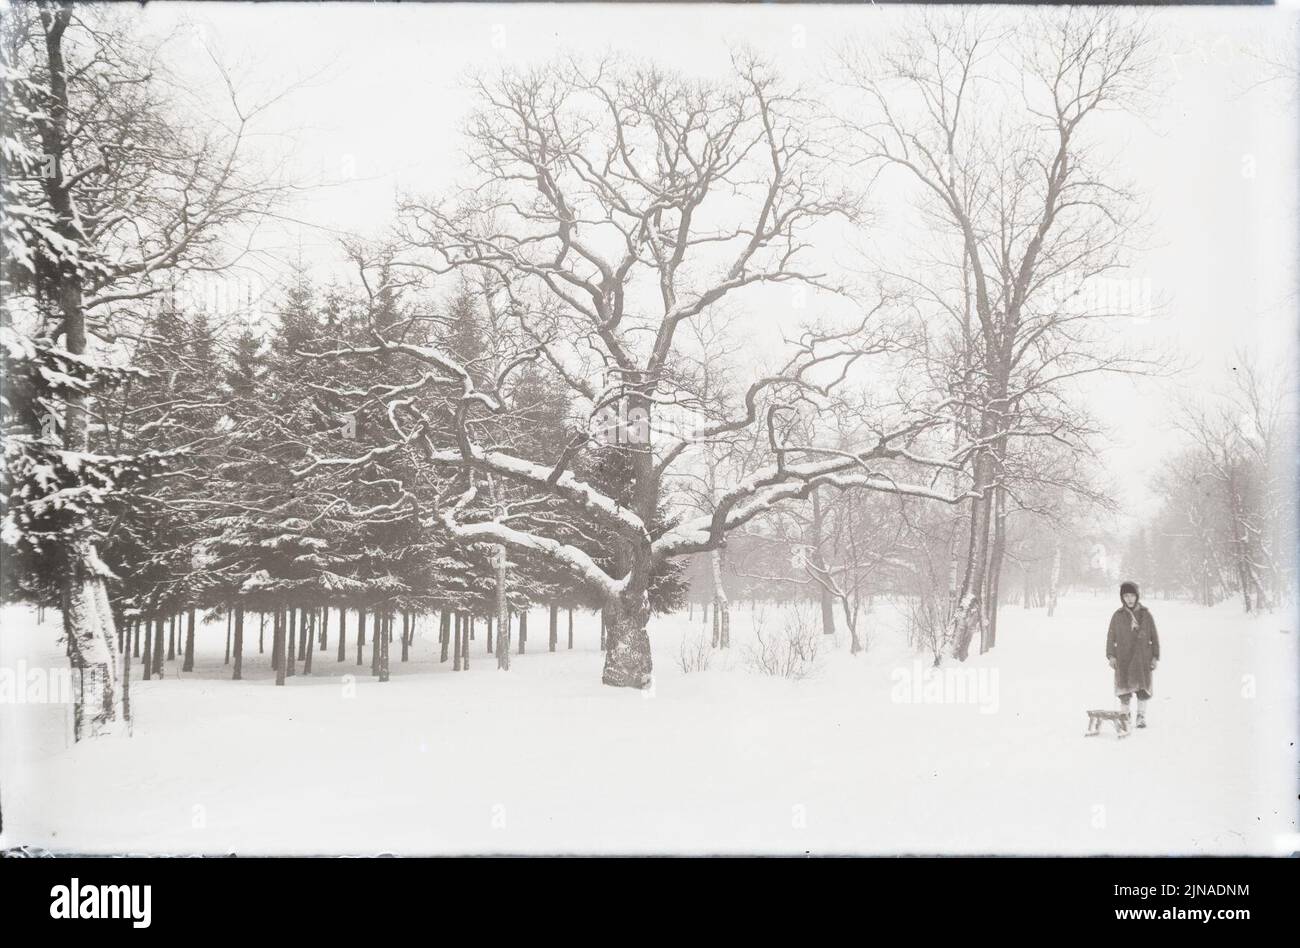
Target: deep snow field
{"type": "Point", "coordinates": [543, 758]}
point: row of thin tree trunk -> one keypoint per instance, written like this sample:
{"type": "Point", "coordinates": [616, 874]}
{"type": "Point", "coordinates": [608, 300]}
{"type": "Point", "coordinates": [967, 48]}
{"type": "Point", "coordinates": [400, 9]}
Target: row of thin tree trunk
{"type": "Point", "coordinates": [296, 632]}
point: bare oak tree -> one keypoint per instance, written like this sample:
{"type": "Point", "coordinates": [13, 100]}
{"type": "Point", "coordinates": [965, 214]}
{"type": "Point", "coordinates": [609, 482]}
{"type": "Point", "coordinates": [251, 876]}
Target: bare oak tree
{"type": "Point", "coordinates": [612, 207]}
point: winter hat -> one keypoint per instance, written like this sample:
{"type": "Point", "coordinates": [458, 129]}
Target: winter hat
{"type": "Point", "coordinates": [1128, 586]}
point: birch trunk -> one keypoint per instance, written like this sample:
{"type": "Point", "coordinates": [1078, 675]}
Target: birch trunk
{"type": "Point", "coordinates": [503, 613]}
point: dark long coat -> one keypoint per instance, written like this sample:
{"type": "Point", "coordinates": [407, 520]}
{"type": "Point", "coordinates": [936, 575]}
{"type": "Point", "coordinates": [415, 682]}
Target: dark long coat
{"type": "Point", "coordinates": [1133, 648]}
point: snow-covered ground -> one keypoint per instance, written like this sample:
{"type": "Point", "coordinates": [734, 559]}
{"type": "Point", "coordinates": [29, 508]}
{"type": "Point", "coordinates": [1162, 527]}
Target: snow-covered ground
{"type": "Point", "coordinates": [543, 758]}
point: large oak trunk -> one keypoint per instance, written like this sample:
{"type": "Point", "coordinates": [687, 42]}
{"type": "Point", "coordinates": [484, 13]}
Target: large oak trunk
{"type": "Point", "coordinates": [627, 652]}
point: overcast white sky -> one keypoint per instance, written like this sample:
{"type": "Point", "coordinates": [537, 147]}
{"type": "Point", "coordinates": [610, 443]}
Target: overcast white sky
{"type": "Point", "coordinates": [1216, 157]}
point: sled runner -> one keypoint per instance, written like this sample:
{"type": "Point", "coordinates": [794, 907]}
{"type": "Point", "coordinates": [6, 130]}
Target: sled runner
{"type": "Point", "coordinates": [1118, 718]}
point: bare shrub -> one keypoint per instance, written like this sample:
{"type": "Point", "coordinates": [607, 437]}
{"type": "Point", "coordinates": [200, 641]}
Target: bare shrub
{"type": "Point", "coordinates": [694, 654]}
{"type": "Point", "coordinates": [928, 617]}
{"type": "Point", "coordinates": [790, 651]}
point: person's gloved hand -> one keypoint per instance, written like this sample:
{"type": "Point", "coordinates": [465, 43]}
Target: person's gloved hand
{"type": "Point", "coordinates": [1111, 661]}
{"type": "Point", "coordinates": [1153, 663]}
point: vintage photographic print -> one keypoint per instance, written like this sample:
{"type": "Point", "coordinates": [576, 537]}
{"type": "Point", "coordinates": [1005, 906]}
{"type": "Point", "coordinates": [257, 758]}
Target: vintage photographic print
{"type": "Point", "coordinates": [648, 429]}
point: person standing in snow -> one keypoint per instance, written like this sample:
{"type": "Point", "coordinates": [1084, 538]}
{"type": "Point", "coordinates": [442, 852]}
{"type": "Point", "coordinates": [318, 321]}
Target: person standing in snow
{"type": "Point", "coordinates": [1133, 649]}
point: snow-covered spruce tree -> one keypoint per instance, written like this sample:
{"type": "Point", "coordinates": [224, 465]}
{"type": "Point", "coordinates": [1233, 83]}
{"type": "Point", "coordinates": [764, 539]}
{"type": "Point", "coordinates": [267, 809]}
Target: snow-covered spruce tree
{"type": "Point", "coordinates": [278, 544]}
{"type": "Point", "coordinates": [106, 190]}
{"type": "Point", "coordinates": [616, 205]}
{"type": "Point", "coordinates": [174, 409]}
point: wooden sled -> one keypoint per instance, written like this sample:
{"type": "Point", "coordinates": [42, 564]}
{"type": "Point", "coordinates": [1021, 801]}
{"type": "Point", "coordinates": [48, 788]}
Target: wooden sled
{"type": "Point", "coordinates": [1118, 718]}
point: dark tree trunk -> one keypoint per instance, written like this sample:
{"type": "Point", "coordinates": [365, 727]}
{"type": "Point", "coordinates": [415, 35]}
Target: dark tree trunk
{"type": "Point", "coordinates": [361, 634]}
{"type": "Point", "coordinates": [147, 661]}
{"type": "Point", "coordinates": [308, 624]}
{"type": "Point", "coordinates": [261, 632]}
{"type": "Point", "coordinates": [171, 639]}
{"type": "Point", "coordinates": [188, 664]}
{"type": "Point", "coordinates": [850, 620]}
{"type": "Point", "coordinates": [343, 634]}
{"type": "Point", "coordinates": [570, 628]}
{"type": "Point", "coordinates": [467, 633]}
{"type": "Point", "coordinates": [377, 639]}
{"type": "Point", "coordinates": [277, 647]}
{"type": "Point", "coordinates": [996, 555]}
{"type": "Point", "coordinates": [456, 646]}
{"type": "Point", "coordinates": [303, 632]}
{"type": "Point", "coordinates": [554, 637]}
{"type": "Point", "coordinates": [126, 672]}
{"type": "Point", "coordinates": [230, 617]}
{"type": "Point", "coordinates": [406, 636]}
{"type": "Point", "coordinates": [969, 620]}
{"type": "Point", "coordinates": [239, 643]}
{"type": "Point", "coordinates": [135, 639]}
{"type": "Point", "coordinates": [523, 629]}
{"type": "Point", "coordinates": [383, 640]}
{"type": "Point", "coordinates": [324, 628]}
{"type": "Point", "coordinates": [291, 641]}
{"type": "Point", "coordinates": [276, 619]}
{"type": "Point", "coordinates": [444, 633]}
{"type": "Point", "coordinates": [158, 646]}
{"type": "Point", "coordinates": [491, 622]}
